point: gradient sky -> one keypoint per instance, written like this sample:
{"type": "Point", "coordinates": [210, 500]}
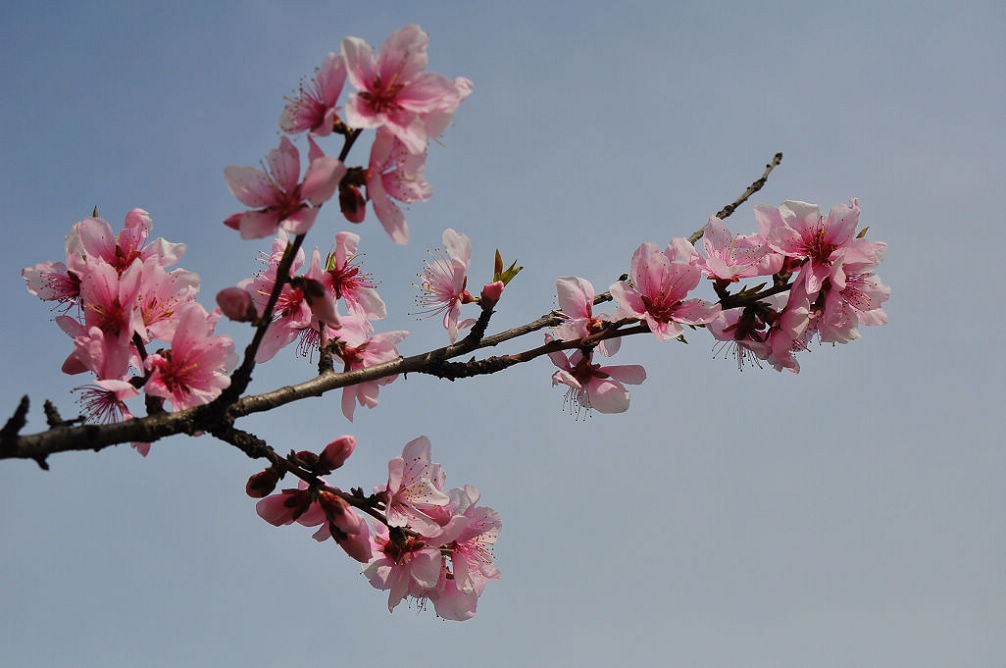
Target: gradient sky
{"type": "Point", "coordinates": [852, 515]}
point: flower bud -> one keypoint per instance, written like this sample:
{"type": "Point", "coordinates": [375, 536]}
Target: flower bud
{"type": "Point", "coordinates": [236, 304]}
{"type": "Point", "coordinates": [284, 508]}
{"type": "Point", "coordinates": [261, 484]}
{"type": "Point", "coordinates": [491, 295]}
{"type": "Point", "coordinates": [322, 306]}
{"type": "Point", "coordinates": [351, 203]}
{"type": "Point", "coordinates": [337, 452]}
{"type": "Point", "coordinates": [357, 545]}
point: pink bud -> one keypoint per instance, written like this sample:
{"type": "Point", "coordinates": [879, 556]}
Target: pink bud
{"type": "Point", "coordinates": [283, 508]}
{"type": "Point", "coordinates": [352, 204]}
{"type": "Point", "coordinates": [358, 545]}
{"type": "Point", "coordinates": [337, 452]}
{"type": "Point", "coordinates": [236, 304]}
{"type": "Point", "coordinates": [261, 484]}
{"type": "Point", "coordinates": [491, 294]}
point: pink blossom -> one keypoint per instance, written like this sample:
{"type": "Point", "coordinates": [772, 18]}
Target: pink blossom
{"type": "Point", "coordinates": [837, 313]}
{"type": "Point", "coordinates": [415, 488]}
{"type": "Point", "coordinates": [194, 371]}
{"type": "Point", "coordinates": [343, 274]}
{"type": "Point", "coordinates": [292, 314]}
{"type": "Point", "coordinates": [284, 508]}
{"type": "Point", "coordinates": [359, 348]}
{"type": "Point", "coordinates": [105, 354]}
{"type": "Point", "coordinates": [52, 281]}
{"type": "Point", "coordinates": [789, 333]}
{"type": "Point", "coordinates": [314, 107]}
{"type": "Point", "coordinates": [403, 564]}
{"type": "Point", "coordinates": [576, 301]}
{"type": "Point", "coordinates": [236, 303]}
{"type": "Point", "coordinates": [395, 174]}
{"type": "Point", "coordinates": [162, 293]}
{"type": "Point", "coordinates": [798, 230]}
{"type": "Point", "coordinates": [281, 202]}
{"type": "Point", "coordinates": [730, 257]}
{"type": "Point", "coordinates": [656, 295]}
{"type": "Point", "coordinates": [470, 554]}
{"type": "Point", "coordinates": [104, 401]}
{"type": "Point", "coordinates": [443, 282]}
{"type": "Point", "coordinates": [394, 90]}
{"type": "Point", "coordinates": [592, 386]}
{"type": "Point", "coordinates": [97, 240]}
{"type": "Point", "coordinates": [110, 300]}
{"type": "Point", "coordinates": [319, 294]}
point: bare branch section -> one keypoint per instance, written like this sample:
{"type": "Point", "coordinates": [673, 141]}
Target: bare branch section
{"type": "Point", "coordinates": [217, 417]}
{"type": "Point", "coordinates": [752, 189]}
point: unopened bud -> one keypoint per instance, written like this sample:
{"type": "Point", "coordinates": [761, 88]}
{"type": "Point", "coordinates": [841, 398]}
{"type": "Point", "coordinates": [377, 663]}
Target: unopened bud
{"type": "Point", "coordinates": [337, 452]}
{"type": "Point", "coordinates": [351, 203]}
{"type": "Point", "coordinates": [236, 304]}
{"type": "Point", "coordinates": [491, 294]}
{"type": "Point", "coordinates": [262, 484]}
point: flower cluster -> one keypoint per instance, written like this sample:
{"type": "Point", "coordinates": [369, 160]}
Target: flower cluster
{"type": "Point", "coordinates": [823, 280]}
{"type": "Point", "coordinates": [428, 543]}
{"type": "Point", "coordinates": [123, 299]}
{"type": "Point", "coordinates": [396, 97]}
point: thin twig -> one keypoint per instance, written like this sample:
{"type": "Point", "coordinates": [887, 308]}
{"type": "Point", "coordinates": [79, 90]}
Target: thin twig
{"type": "Point", "coordinates": [752, 189]}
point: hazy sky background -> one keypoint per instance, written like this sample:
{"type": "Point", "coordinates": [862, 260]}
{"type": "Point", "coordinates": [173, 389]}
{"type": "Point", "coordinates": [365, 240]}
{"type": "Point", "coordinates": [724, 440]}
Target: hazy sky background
{"type": "Point", "coordinates": [849, 516]}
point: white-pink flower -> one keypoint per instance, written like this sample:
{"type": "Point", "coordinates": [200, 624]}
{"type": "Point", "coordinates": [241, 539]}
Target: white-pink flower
{"type": "Point", "coordinates": [279, 200]}
{"type": "Point", "coordinates": [730, 257]}
{"type": "Point", "coordinates": [359, 348]}
{"type": "Point", "coordinates": [443, 282]}
{"type": "Point", "coordinates": [314, 107]}
{"type": "Point", "coordinates": [415, 488]}
{"type": "Point", "coordinates": [576, 301]}
{"type": "Point", "coordinates": [592, 386]}
{"type": "Point", "coordinates": [395, 174]}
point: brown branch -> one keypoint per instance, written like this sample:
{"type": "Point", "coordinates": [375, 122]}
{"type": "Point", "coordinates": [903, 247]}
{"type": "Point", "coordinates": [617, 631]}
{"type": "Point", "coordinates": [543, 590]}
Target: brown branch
{"type": "Point", "coordinates": [752, 189]}
{"type": "Point", "coordinates": [218, 416]}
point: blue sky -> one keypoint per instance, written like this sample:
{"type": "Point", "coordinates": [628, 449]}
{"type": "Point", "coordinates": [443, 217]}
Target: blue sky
{"type": "Point", "coordinates": [851, 515]}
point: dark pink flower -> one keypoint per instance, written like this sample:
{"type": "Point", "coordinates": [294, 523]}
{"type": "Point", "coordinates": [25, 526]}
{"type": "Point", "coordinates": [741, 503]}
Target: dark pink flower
{"type": "Point", "coordinates": [194, 371]}
{"type": "Point", "coordinates": [658, 290]}
{"type": "Point", "coordinates": [342, 273]}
